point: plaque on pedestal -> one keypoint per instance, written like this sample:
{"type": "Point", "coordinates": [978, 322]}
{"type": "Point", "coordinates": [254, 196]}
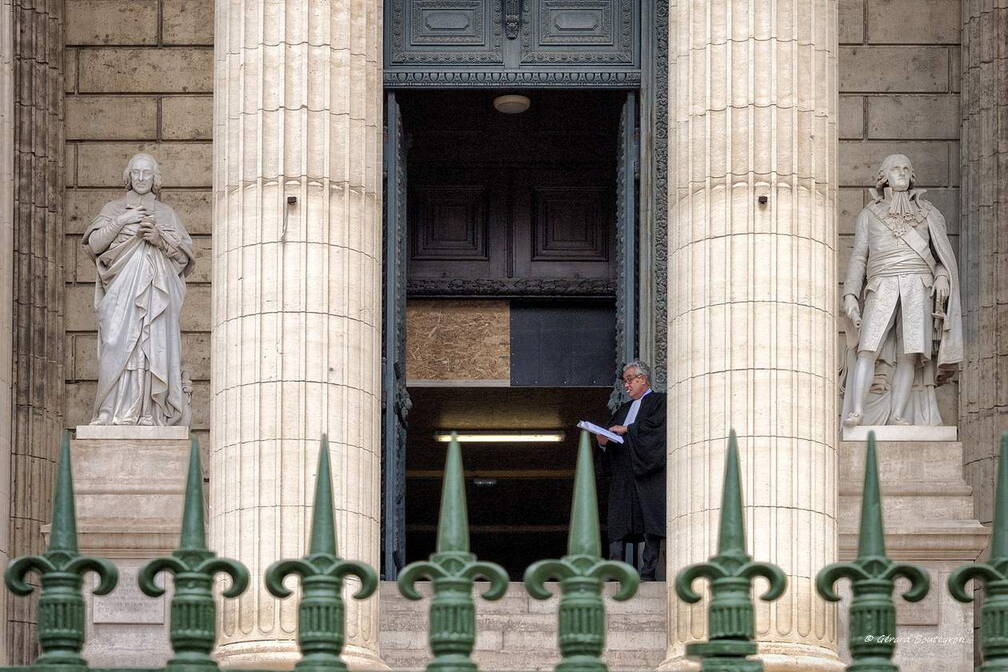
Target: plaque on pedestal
{"type": "Point", "coordinates": [129, 483]}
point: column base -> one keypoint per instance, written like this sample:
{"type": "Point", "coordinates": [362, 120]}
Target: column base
{"type": "Point", "coordinates": [776, 657]}
{"type": "Point", "coordinates": [283, 654]}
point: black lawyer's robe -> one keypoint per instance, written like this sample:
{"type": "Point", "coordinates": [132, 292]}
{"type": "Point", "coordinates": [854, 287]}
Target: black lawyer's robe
{"type": "Point", "coordinates": [637, 471]}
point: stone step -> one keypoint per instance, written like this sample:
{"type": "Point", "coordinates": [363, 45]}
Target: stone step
{"type": "Point", "coordinates": [520, 633]}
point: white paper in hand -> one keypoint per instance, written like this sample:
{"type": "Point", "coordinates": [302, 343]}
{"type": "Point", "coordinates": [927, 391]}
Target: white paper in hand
{"type": "Point", "coordinates": [601, 431]}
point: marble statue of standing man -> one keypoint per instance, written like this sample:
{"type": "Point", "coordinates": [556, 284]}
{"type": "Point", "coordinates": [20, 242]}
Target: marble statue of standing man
{"type": "Point", "coordinates": [143, 254]}
{"type": "Point", "coordinates": [900, 306]}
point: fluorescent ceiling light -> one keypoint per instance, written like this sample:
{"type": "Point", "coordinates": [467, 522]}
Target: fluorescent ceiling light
{"type": "Point", "coordinates": [501, 437]}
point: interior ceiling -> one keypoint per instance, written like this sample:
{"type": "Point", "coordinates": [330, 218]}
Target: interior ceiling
{"type": "Point", "coordinates": [488, 408]}
{"type": "Point", "coordinates": [569, 127]}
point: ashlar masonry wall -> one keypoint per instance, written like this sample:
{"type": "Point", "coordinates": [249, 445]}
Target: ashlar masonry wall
{"type": "Point", "coordinates": [139, 78]}
{"type": "Point", "coordinates": [899, 92]}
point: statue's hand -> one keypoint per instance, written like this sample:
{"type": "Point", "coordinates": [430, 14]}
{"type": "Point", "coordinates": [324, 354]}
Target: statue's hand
{"type": "Point", "coordinates": [852, 311]}
{"type": "Point", "coordinates": [151, 233]}
{"type": "Point", "coordinates": [132, 215]}
{"type": "Point", "coordinates": [940, 289]}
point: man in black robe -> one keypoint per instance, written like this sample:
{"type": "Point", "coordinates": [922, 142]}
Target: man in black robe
{"type": "Point", "coordinates": [636, 469]}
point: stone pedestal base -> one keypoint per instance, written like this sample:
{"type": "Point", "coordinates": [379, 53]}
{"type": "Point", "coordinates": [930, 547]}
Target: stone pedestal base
{"type": "Point", "coordinates": [943, 433]}
{"type": "Point", "coordinates": [129, 509]}
{"type": "Point", "coordinates": [929, 521]}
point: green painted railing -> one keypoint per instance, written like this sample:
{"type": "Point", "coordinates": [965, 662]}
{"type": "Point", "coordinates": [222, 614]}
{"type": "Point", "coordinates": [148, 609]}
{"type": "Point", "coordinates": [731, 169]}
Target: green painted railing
{"type": "Point", "coordinates": [452, 569]}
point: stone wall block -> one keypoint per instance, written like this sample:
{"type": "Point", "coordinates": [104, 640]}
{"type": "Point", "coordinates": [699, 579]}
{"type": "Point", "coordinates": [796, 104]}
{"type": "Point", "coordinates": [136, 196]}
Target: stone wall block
{"type": "Point", "coordinates": [106, 22]}
{"type": "Point", "coordinates": [894, 69]}
{"type": "Point", "coordinates": [851, 117]}
{"type": "Point", "coordinates": [851, 21]}
{"type": "Point", "coordinates": [188, 22]}
{"type": "Point", "coordinates": [913, 21]}
{"type": "Point", "coordinates": [193, 207]}
{"type": "Point", "coordinates": [187, 117]}
{"type": "Point", "coordinates": [914, 117]}
{"type": "Point", "coordinates": [157, 70]}
{"type": "Point", "coordinates": [183, 164]}
{"type": "Point", "coordinates": [111, 117]}
{"type": "Point", "coordinates": [859, 161]}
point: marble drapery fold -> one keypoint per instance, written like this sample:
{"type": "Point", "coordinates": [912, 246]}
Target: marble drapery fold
{"type": "Point", "coordinates": [139, 291]}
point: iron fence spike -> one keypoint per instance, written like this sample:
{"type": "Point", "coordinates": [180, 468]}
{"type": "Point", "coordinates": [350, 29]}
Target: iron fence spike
{"type": "Point", "coordinates": [994, 574]}
{"type": "Point", "coordinates": [321, 614]}
{"type": "Point", "coordinates": [872, 631]}
{"type": "Point", "coordinates": [730, 573]}
{"type": "Point", "coordinates": [581, 617]}
{"type": "Point", "coordinates": [453, 519]}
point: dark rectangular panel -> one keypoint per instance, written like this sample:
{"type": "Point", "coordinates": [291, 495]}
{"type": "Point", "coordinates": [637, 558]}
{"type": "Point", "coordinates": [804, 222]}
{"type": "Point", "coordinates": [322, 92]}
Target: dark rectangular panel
{"type": "Point", "coordinates": [557, 346]}
{"type": "Point", "coordinates": [444, 32]}
{"type": "Point", "coordinates": [580, 31]}
{"type": "Point", "coordinates": [449, 223]}
{"type": "Point", "coordinates": [570, 223]}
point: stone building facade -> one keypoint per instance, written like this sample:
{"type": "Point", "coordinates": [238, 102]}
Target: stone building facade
{"type": "Point", "coordinates": [246, 103]}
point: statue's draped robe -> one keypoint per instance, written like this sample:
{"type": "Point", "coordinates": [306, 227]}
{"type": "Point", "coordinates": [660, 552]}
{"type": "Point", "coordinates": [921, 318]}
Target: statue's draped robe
{"type": "Point", "coordinates": [138, 298]}
{"type": "Point", "coordinates": [936, 336]}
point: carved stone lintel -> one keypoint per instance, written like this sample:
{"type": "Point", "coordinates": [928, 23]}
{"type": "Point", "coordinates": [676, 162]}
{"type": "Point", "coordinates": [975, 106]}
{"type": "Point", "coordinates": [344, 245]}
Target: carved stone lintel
{"type": "Point", "coordinates": [535, 79]}
{"type": "Point", "coordinates": [510, 287]}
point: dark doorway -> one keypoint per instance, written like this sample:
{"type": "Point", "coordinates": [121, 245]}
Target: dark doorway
{"type": "Point", "coordinates": [519, 495]}
{"type": "Point", "coordinates": [514, 202]}
{"type": "Point", "coordinates": [518, 213]}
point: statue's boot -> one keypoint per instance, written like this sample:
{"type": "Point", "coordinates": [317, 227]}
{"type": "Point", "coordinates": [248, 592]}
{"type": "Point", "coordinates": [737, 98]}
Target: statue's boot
{"type": "Point", "coordinates": [853, 419]}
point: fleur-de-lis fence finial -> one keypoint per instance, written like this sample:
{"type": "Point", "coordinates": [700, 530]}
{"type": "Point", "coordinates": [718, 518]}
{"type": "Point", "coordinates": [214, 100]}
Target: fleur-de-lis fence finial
{"type": "Point", "coordinates": [61, 569]}
{"type": "Point", "coordinates": [581, 573]}
{"type": "Point", "coordinates": [452, 568]}
{"type": "Point", "coordinates": [994, 574]}
{"type": "Point", "coordinates": [193, 613]}
{"type": "Point", "coordinates": [872, 637]}
{"type": "Point", "coordinates": [320, 614]}
{"type": "Point", "coordinates": [730, 572]}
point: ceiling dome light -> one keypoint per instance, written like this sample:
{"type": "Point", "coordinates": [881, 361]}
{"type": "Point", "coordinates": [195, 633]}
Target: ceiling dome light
{"type": "Point", "coordinates": [511, 104]}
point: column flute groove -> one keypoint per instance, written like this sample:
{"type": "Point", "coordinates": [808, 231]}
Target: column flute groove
{"type": "Point", "coordinates": [296, 318]}
{"type": "Point", "coordinates": [752, 113]}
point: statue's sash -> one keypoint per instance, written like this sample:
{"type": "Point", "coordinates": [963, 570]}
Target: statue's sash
{"type": "Point", "coordinates": [913, 240]}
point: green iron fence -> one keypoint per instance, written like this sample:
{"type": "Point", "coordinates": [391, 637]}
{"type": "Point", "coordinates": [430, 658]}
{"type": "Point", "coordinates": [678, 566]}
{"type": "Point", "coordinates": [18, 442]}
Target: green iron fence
{"type": "Point", "coordinates": [452, 569]}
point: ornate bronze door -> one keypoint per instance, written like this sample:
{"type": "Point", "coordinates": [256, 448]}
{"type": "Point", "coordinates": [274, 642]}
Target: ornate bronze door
{"type": "Point", "coordinates": [395, 399]}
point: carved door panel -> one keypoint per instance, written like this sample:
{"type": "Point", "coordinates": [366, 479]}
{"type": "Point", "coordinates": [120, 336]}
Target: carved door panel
{"type": "Point", "coordinates": [597, 32]}
{"type": "Point", "coordinates": [562, 223]}
{"type": "Point", "coordinates": [485, 38]}
{"type": "Point", "coordinates": [458, 223]}
{"type": "Point", "coordinates": [395, 399]}
{"type": "Point", "coordinates": [503, 224]}
{"type": "Point", "coordinates": [437, 33]}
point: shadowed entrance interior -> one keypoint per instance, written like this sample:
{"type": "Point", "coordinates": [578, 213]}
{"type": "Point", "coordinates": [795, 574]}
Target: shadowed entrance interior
{"type": "Point", "coordinates": [511, 274]}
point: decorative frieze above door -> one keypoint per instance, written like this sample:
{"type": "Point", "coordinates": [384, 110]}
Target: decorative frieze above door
{"type": "Point", "coordinates": [512, 42]}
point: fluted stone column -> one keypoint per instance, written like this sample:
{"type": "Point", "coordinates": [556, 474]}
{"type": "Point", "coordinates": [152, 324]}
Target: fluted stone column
{"type": "Point", "coordinates": [296, 309]}
{"type": "Point", "coordinates": [6, 285]}
{"type": "Point", "coordinates": [983, 389]}
{"type": "Point", "coordinates": [37, 291]}
{"type": "Point", "coordinates": [752, 333]}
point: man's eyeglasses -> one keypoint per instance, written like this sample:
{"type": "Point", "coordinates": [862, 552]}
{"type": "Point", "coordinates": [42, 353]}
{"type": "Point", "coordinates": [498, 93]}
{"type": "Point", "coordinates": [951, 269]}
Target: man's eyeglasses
{"type": "Point", "coordinates": [629, 379]}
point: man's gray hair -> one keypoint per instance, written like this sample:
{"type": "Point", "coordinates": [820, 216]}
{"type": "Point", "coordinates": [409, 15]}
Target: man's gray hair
{"type": "Point", "coordinates": [641, 366]}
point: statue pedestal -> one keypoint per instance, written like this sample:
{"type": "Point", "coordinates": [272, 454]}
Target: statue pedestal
{"type": "Point", "coordinates": [929, 521]}
{"type": "Point", "coordinates": [129, 484]}
{"type": "Point", "coordinates": [946, 433]}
